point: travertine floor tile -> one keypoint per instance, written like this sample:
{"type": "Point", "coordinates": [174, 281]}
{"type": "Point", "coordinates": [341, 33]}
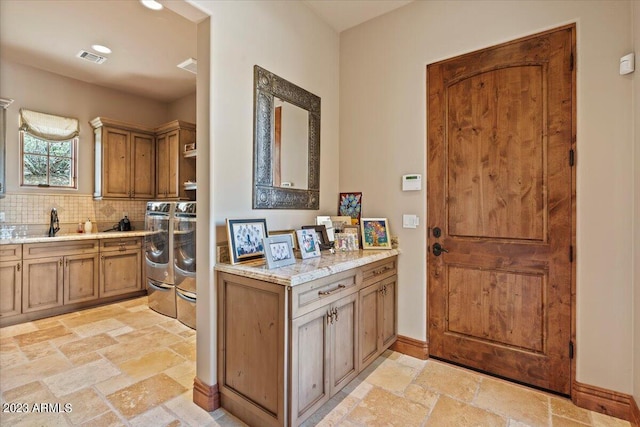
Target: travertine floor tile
{"type": "Point", "coordinates": [80, 377]}
{"type": "Point", "coordinates": [99, 327]}
{"type": "Point", "coordinates": [86, 404]}
{"type": "Point", "coordinates": [601, 420]}
{"type": "Point", "coordinates": [421, 395]}
{"type": "Point", "coordinates": [138, 398]}
{"type": "Point", "coordinates": [191, 414]}
{"type": "Point", "coordinates": [41, 335]}
{"type": "Point", "coordinates": [150, 364]}
{"type": "Point", "coordinates": [566, 422]}
{"type": "Point", "coordinates": [382, 408]}
{"type": "Point", "coordinates": [36, 351]}
{"type": "Point", "coordinates": [392, 376]}
{"type": "Point", "coordinates": [449, 380]}
{"type": "Point", "coordinates": [513, 401]}
{"type": "Point", "coordinates": [185, 349]}
{"type": "Point", "coordinates": [22, 328]}
{"type": "Point", "coordinates": [565, 408]}
{"type": "Point", "coordinates": [114, 384]}
{"type": "Point", "coordinates": [183, 373]}
{"type": "Point", "coordinates": [87, 345]}
{"type": "Point", "coordinates": [33, 371]}
{"type": "Point", "coordinates": [157, 416]}
{"type": "Point", "coordinates": [109, 419]}
{"type": "Point", "coordinates": [453, 413]}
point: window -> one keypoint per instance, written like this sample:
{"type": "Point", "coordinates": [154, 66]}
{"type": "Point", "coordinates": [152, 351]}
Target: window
{"type": "Point", "coordinates": [49, 146]}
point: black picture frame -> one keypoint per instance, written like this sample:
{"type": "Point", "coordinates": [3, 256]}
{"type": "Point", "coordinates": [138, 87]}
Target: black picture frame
{"type": "Point", "coordinates": [323, 237]}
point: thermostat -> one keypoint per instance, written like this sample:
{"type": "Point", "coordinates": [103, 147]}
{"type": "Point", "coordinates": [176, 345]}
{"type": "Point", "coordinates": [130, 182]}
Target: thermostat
{"type": "Point", "coordinates": [412, 182]}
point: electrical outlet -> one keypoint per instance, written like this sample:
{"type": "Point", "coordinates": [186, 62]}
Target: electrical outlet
{"type": "Point", "coordinates": [2, 217]}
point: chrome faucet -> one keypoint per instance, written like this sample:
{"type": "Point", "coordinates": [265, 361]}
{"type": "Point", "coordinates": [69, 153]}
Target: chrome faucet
{"type": "Point", "coordinates": [54, 223]}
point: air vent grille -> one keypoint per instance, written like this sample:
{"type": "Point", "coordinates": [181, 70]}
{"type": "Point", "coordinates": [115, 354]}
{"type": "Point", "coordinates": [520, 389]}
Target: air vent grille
{"type": "Point", "coordinates": [190, 65]}
{"type": "Point", "coordinates": [91, 57]}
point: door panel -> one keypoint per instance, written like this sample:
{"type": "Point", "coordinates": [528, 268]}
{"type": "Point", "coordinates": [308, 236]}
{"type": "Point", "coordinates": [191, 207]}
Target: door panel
{"type": "Point", "coordinates": [500, 130]}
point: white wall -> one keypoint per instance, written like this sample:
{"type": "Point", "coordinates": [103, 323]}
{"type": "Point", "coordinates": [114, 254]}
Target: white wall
{"type": "Point", "coordinates": [183, 109]}
{"type": "Point", "coordinates": [54, 94]}
{"type": "Point", "coordinates": [287, 39]}
{"type": "Point", "coordinates": [383, 135]}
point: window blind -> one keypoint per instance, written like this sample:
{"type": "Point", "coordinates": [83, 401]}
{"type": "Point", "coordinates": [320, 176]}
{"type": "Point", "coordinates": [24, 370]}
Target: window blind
{"type": "Point", "coordinates": [48, 126]}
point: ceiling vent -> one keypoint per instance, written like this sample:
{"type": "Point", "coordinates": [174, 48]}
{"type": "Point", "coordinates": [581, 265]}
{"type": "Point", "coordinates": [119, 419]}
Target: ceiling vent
{"type": "Point", "coordinates": [91, 57]}
{"type": "Point", "coordinates": [190, 65]}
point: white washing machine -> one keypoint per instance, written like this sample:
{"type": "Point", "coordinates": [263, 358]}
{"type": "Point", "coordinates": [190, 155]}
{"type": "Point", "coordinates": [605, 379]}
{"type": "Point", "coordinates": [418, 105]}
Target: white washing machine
{"type": "Point", "coordinates": [184, 261]}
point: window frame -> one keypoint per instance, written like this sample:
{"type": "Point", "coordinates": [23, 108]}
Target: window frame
{"type": "Point", "coordinates": [74, 162]}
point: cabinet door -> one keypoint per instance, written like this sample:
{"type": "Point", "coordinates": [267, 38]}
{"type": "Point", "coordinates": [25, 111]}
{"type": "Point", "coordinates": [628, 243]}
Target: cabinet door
{"type": "Point", "coordinates": [10, 288]}
{"type": "Point", "coordinates": [120, 272]}
{"type": "Point", "coordinates": [310, 385]}
{"type": "Point", "coordinates": [167, 165]}
{"type": "Point", "coordinates": [143, 166]}
{"type": "Point", "coordinates": [116, 163]}
{"type": "Point", "coordinates": [80, 278]}
{"type": "Point", "coordinates": [344, 342]}
{"type": "Point", "coordinates": [42, 284]}
{"type": "Point", "coordinates": [369, 324]}
{"type": "Point", "coordinates": [389, 326]}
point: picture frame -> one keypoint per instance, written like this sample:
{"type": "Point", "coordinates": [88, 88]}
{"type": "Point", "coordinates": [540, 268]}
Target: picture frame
{"type": "Point", "coordinates": [308, 242]}
{"type": "Point", "coordinates": [350, 204]}
{"type": "Point", "coordinates": [246, 239]}
{"type": "Point", "coordinates": [375, 233]}
{"type": "Point", "coordinates": [353, 229]}
{"type": "Point", "coordinates": [279, 251]}
{"type": "Point", "coordinates": [326, 221]}
{"type": "Point", "coordinates": [323, 236]}
{"type": "Point", "coordinates": [339, 222]}
{"type": "Point", "coordinates": [292, 235]}
{"type": "Point", "coordinates": [346, 242]}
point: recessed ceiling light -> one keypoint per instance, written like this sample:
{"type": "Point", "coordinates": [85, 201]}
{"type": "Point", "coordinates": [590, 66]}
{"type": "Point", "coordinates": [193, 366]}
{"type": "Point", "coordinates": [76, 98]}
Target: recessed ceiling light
{"type": "Point", "coordinates": [100, 48]}
{"type": "Point", "coordinates": [151, 4]}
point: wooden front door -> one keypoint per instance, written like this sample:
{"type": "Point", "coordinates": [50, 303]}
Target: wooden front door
{"type": "Point", "coordinates": [500, 204]}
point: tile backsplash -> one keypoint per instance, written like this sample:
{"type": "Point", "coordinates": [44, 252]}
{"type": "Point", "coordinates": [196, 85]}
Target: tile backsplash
{"type": "Point", "coordinates": [34, 209]}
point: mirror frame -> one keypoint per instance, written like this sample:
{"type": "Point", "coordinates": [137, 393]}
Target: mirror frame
{"type": "Point", "coordinates": [267, 86]}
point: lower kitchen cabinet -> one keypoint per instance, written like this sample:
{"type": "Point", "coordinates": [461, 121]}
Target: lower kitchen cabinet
{"type": "Point", "coordinates": [43, 284]}
{"type": "Point", "coordinates": [10, 280]}
{"type": "Point", "coordinates": [121, 266]}
{"type": "Point", "coordinates": [284, 350]}
{"type": "Point", "coordinates": [80, 278]}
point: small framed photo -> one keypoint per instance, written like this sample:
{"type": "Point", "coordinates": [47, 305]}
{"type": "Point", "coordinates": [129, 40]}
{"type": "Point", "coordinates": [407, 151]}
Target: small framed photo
{"type": "Point", "coordinates": [326, 221]}
{"type": "Point", "coordinates": [355, 230]}
{"type": "Point", "coordinates": [339, 222]}
{"type": "Point", "coordinates": [346, 242]}
{"type": "Point", "coordinates": [323, 237]}
{"type": "Point", "coordinates": [279, 251]}
{"type": "Point", "coordinates": [375, 233]}
{"type": "Point", "coordinates": [290, 233]}
{"type": "Point", "coordinates": [308, 241]}
{"type": "Point", "coordinates": [246, 239]}
{"type": "Point", "coordinates": [350, 204]}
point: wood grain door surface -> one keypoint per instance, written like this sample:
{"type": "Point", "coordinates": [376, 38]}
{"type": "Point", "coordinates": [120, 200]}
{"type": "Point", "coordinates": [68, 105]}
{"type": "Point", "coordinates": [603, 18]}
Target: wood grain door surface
{"type": "Point", "coordinates": [500, 189]}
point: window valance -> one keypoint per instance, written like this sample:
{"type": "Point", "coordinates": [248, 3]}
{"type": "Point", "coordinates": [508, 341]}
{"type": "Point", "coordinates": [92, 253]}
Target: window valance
{"type": "Point", "coordinates": [48, 126]}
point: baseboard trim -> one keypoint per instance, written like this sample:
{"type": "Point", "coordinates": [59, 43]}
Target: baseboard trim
{"type": "Point", "coordinates": [206, 396]}
{"type": "Point", "coordinates": [411, 347]}
{"type": "Point", "coordinates": [601, 400]}
{"type": "Point", "coordinates": [634, 419]}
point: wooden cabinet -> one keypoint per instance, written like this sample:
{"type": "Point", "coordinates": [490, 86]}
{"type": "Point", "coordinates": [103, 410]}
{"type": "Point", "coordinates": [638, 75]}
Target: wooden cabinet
{"type": "Point", "coordinates": [59, 273]}
{"type": "Point", "coordinates": [174, 169]}
{"type": "Point", "coordinates": [324, 357]}
{"type": "Point", "coordinates": [10, 280]}
{"type": "Point", "coordinates": [125, 160]}
{"type": "Point", "coordinates": [284, 350]}
{"type": "Point", "coordinates": [121, 266]}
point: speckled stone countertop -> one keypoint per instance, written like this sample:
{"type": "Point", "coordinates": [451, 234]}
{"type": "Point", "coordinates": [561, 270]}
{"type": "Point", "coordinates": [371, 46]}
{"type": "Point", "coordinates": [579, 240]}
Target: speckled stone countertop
{"type": "Point", "coordinates": [73, 236]}
{"type": "Point", "coordinates": [308, 269]}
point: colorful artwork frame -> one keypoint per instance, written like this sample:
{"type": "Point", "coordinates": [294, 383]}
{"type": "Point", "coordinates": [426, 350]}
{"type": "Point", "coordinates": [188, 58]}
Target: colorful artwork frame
{"type": "Point", "coordinates": [246, 239]}
{"type": "Point", "coordinates": [375, 233]}
{"type": "Point", "coordinates": [279, 251]}
{"type": "Point", "coordinates": [350, 204]}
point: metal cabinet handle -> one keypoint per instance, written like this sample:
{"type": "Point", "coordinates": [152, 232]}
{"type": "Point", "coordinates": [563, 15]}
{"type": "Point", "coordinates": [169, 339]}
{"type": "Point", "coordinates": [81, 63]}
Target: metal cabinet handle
{"type": "Point", "coordinates": [18, 266]}
{"type": "Point", "coordinates": [329, 317]}
{"type": "Point", "coordinates": [325, 293]}
{"type": "Point", "coordinates": [60, 262]}
{"type": "Point", "coordinates": [381, 270]}
{"type": "Point", "coordinates": [335, 313]}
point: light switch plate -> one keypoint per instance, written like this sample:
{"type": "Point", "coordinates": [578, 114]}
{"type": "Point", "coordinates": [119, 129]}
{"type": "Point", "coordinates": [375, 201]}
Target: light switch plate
{"type": "Point", "coordinates": [410, 221]}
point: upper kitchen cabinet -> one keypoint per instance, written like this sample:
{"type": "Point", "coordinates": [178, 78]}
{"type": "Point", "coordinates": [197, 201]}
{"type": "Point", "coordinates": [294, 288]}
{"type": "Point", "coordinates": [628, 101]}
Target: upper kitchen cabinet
{"type": "Point", "coordinates": [125, 160]}
{"type": "Point", "coordinates": [174, 169]}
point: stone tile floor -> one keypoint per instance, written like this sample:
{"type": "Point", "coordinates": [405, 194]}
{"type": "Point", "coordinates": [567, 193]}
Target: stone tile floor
{"type": "Point", "coordinates": [125, 365]}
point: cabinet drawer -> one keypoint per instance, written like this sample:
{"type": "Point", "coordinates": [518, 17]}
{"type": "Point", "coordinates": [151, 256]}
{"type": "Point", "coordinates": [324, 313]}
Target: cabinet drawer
{"type": "Point", "coordinates": [309, 296]}
{"type": "Point", "coordinates": [120, 244]}
{"type": "Point", "coordinates": [379, 270]}
{"type": "Point", "coordinates": [73, 247]}
{"type": "Point", "coordinates": [10, 252]}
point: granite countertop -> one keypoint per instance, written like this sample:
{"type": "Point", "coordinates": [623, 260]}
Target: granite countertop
{"type": "Point", "coordinates": [308, 269]}
{"type": "Point", "coordinates": [74, 236]}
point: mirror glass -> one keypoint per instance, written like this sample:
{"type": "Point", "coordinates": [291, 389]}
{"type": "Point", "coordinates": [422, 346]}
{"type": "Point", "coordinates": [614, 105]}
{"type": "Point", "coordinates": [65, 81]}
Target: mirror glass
{"type": "Point", "coordinates": [290, 152]}
{"type": "Point", "coordinates": [286, 150]}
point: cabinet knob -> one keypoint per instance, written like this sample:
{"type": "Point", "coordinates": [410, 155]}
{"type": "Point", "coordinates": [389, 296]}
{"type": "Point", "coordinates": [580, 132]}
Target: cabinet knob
{"type": "Point", "coordinates": [60, 262]}
{"type": "Point", "coordinates": [18, 266]}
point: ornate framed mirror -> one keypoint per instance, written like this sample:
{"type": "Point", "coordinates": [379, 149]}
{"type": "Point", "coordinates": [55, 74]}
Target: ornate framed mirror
{"type": "Point", "coordinates": [286, 144]}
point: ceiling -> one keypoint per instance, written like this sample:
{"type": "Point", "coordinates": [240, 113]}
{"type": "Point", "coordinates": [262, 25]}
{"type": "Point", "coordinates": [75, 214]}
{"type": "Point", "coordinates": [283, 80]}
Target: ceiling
{"type": "Point", "coordinates": [147, 45]}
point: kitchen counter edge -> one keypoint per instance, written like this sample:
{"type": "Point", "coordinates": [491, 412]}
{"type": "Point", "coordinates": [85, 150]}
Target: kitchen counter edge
{"type": "Point", "coordinates": [74, 236]}
{"type": "Point", "coordinates": [306, 270]}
